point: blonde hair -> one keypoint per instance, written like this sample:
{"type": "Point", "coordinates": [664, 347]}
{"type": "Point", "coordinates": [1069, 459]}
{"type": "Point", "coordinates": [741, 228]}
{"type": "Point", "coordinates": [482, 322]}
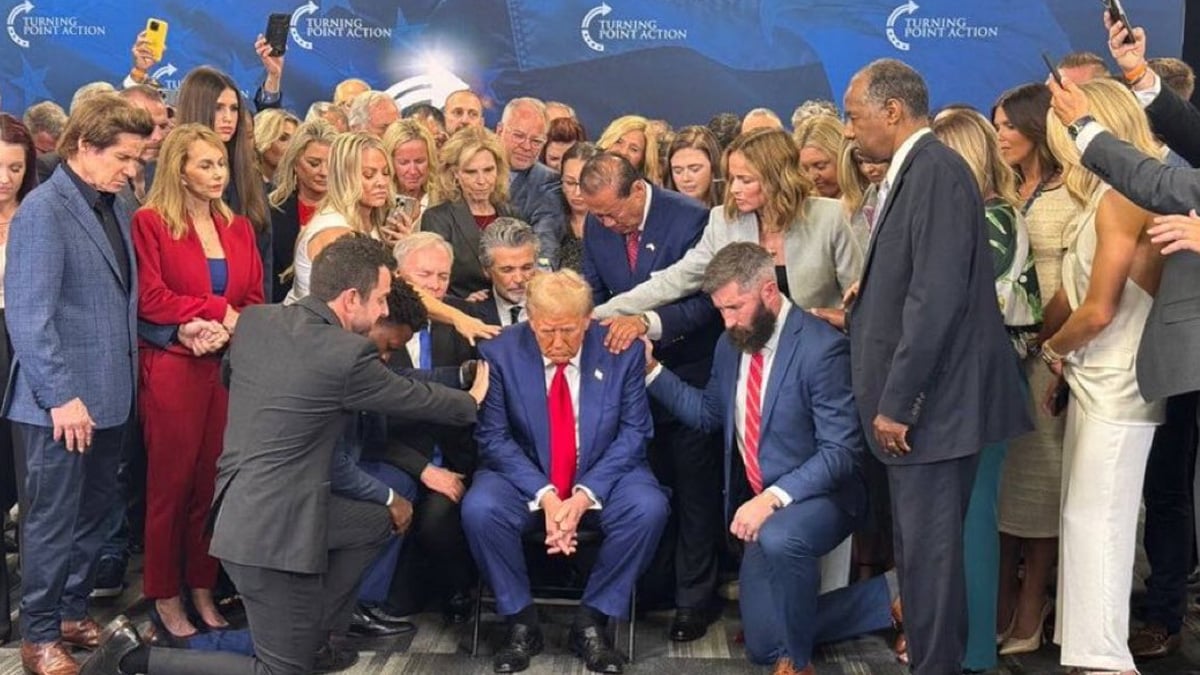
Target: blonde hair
{"type": "Point", "coordinates": [823, 132]}
{"type": "Point", "coordinates": [461, 148]}
{"type": "Point", "coordinates": [269, 125]}
{"type": "Point", "coordinates": [1113, 106]}
{"type": "Point", "coordinates": [650, 168]}
{"type": "Point", "coordinates": [974, 138]}
{"type": "Point", "coordinates": [775, 161]}
{"type": "Point", "coordinates": [851, 179]}
{"type": "Point", "coordinates": [168, 196]}
{"type": "Point", "coordinates": [315, 131]}
{"type": "Point", "coordinates": [561, 292]}
{"type": "Point", "coordinates": [402, 131]}
{"type": "Point", "coordinates": [345, 180]}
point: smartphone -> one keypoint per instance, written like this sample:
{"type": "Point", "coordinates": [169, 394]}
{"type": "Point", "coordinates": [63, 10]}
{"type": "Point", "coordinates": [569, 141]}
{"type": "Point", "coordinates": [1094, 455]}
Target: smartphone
{"type": "Point", "coordinates": [1052, 69]}
{"type": "Point", "coordinates": [156, 36]}
{"type": "Point", "coordinates": [278, 26]}
{"type": "Point", "coordinates": [1117, 13]}
{"type": "Point", "coordinates": [1062, 396]}
{"type": "Point", "coordinates": [407, 204]}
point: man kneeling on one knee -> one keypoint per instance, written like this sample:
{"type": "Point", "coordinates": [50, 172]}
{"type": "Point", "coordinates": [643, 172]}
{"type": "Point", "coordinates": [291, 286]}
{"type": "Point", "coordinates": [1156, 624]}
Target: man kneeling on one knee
{"type": "Point", "coordinates": [562, 437]}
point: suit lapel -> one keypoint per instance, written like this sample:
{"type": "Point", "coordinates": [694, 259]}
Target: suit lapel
{"type": "Point", "coordinates": [531, 382]}
{"type": "Point", "coordinates": [785, 352]}
{"type": "Point", "coordinates": [592, 383]}
{"type": "Point", "coordinates": [87, 219]}
{"type": "Point", "coordinates": [886, 207]}
{"type": "Point", "coordinates": [464, 222]}
{"type": "Point", "coordinates": [652, 236]}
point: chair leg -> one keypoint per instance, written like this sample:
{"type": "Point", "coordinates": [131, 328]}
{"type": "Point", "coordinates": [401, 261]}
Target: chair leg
{"type": "Point", "coordinates": [632, 623]}
{"type": "Point", "coordinates": [477, 619]}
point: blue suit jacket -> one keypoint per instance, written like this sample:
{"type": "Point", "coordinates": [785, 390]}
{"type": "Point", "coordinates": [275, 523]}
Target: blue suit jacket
{"type": "Point", "coordinates": [811, 443]}
{"type": "Point", "coordinates": [674, 224]}
{"type": "Point", "coordinates": [513, 428]}
{"type": "Point", "coordinates": [71, 318]}
{"type": "Point", "coordinates": [535, 195]}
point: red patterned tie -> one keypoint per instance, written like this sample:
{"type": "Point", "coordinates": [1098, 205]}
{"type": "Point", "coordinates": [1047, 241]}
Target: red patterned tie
{"type": "Point", "coordinates": [750, 430]}
{"type": "Point", "coordinates": [631, 248]}
{"type": "Point", "coordinates": [562, 433]}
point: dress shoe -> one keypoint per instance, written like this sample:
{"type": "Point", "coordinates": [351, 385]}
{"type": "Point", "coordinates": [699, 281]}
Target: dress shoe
{"type": "Point", "coordinates": [1152, 641]}
{"type": "Point", "coordinates": [110, 578]}
{"type": "Point", "coordinates": [459, 608]}
{"type": "Point", "coordinates": [82, 633]}
{"type": "Point", "coordinates": [47, 658]}
{"type": "Point", "coordinates": [1026, 645]}
{"type": "Point", "coordinates": [591, 644]}
{"type": "Point", "coordinates": [523, 643]}
{"type": "Point", "coordinates": [388, 619]}
{"type": "Point", "coordinates": [785, 666]}
{"type": "Point", "coordinates": [118, 639]}
{"type": "Point", "coordinates": [332, 659]}
{"type": "Point", "coordinates": [364, 625]}
{"type": "Point", "coordinates": [689, 624]}
{"type": "Point", "coordinates": [900, 646]}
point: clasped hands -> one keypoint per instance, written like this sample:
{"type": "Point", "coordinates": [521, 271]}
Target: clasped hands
{"type": "Point", "coordinates": [562, 520]}
{"type": "Point", "coordinates": [203, 337]}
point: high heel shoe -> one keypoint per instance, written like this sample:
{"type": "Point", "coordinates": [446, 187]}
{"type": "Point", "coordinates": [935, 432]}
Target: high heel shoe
{"type": "Point", "coordinates": [1015, 645]}
{"type": "Point", "coordinates": [1001, 638]}
{"type": "Point", "coordinates": [161, 636]}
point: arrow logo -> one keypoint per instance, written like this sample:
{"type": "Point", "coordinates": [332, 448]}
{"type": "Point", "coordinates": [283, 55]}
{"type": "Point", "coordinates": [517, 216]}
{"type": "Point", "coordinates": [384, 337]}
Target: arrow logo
{"type": "Point", "coordinates": [602, 10]}
{"type": "Point", "coordinates": [23, 8]}
{"type": "Point", "coordinates": [166, 71]}
{"type": "Point", "coordinates": [907, 8]}
{"type": "Point", "coordinates": [307, 8]}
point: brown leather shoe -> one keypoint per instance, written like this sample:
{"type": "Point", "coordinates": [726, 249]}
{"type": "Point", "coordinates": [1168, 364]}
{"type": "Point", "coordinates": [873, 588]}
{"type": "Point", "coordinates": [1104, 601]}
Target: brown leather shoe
{"type": "Point", "coordinates": [785, 666]}
{"type": "Point", "coordinates": [1152, 641]}
{"type": "Point", "coordinates": [47, 658]}
{"type": "Point", "coordinates": [82, 633]}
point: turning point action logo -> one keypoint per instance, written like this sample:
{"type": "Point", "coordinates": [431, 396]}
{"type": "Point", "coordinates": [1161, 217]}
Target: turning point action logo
{"type": "Point", "coordinates": [623, 30]}
{"type": "Point", "coordinates": [23, 23]}
{"type": "Point", "coordinates": [944, 27]}
{"type": "Point", "coordinates": [306, 26]}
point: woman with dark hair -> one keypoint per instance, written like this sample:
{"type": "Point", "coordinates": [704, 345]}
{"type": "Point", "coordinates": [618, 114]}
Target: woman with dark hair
{"type": "Point", "coordinates": [209, 97]}
{"type": "Point", "coordinates": [1031, 480]}
{"type": "Point", "coordinates": [570, 251]}
{"type": "Point", "coordinates": [564, 132]}
{"type": "Point", "coordinates": [694, 166]}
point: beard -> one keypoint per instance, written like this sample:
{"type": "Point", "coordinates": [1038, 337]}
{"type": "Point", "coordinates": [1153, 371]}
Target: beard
{"type": "Point", "coordinates": [754, 338]}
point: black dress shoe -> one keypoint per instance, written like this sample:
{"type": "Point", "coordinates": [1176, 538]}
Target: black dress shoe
{"type": "Point", "coordinates": [387, 618]}
{"type": "Point", "coordinates": [591, 644]}
{"type": "Point", "coordinates": [362, 624]}
{"type": "Point", "coordinates": [332, 659]}
{"type": "Point", "coordinates": [117, 640]}
{"type": "Point", "coordinates": [523, 643]}
{"type": "Point", "coordinates": [459, 608]}
{"type": "Point", "coordinates": [689, 624]}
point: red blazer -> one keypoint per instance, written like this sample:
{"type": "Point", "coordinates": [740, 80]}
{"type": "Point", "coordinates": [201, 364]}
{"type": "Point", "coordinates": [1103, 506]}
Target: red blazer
{"type": "Point", "coordinates": [173, 280]}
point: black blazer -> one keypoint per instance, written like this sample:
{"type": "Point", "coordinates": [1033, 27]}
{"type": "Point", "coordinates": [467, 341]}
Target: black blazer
{"type": "Point", "coordinates": [1177, 122]}
{"type": "Point", "coordinates": [928, 345]}
{"type": "Point", "coordinates": [285, 229]}
{"type": "Point", "coordinates": [453, 220]}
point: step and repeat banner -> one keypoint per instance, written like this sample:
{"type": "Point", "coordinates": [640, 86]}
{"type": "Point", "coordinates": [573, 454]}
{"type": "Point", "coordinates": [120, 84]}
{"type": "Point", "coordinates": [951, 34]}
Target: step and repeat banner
{"type": "Point", "coordinates": [682, 60]}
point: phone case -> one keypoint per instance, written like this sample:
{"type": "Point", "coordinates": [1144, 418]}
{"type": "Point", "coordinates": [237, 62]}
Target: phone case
{"type": "Point", "coordinates": [156, 34]}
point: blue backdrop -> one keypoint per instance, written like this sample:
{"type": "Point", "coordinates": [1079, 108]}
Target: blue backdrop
{"type": "Point", "coordinates": [682, 60]}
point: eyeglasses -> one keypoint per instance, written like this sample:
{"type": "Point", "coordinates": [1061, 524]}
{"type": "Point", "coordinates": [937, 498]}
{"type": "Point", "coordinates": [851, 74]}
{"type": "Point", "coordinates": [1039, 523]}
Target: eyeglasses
{"type": "Point", "coordinates": [523, 138]}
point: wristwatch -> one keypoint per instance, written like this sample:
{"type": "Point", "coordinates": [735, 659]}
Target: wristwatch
{"type": "Point", "coordinates": [645, 320]}
{"type": "Point", "coordinates": [1077, 126]}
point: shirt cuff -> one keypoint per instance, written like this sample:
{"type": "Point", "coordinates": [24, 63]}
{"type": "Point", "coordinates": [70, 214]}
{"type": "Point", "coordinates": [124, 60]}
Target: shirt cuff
{"type": "Point", "coordinates": [1089, 132]}
{"type": "Point", "coordinates": [658, 368]}
{"type": "Point", "coordinates": [536, 504]}
{"type": "Point", "coordinates": [784, 498]}
{"type": "Point", "coordinates": [590, 495]}
{"type": "Point", "coordinates": [129, 82]}
{"type": "Point", "coordinates": [654, 331]}
{"type": "Point", "coordinates": [391, 497]}
{"type": "Point", "coordinates": [268, 97]}
{"type": "Point", "coordinates": [1147, 96]}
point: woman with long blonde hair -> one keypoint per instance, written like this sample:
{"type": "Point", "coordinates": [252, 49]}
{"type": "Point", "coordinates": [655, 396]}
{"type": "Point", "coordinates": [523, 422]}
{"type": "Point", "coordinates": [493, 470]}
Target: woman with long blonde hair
{"type": "Point", "coordinates": [820, 141]}
{"type": "Point", "coordinates": [196, 260]}
{"type": "Point", "coordinates": [273, 129]}
{"type": "Point", "coordinates": [301, 181]}
{"type": "Point", "coordinates": [632, 137]}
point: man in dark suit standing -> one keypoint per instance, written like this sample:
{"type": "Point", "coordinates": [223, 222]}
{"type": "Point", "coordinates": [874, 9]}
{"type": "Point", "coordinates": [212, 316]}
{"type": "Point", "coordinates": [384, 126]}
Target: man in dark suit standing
{"type": "Point", "coordinates": [294, 551]}
{"type": "Point", "coordinates": [934, 375]}
{"type": "Point", "coordinates": [634, 229]}
{"type": "Point", "coordinates": [535, 190]}
{"type": "Point", "coordinates": [562, 438]}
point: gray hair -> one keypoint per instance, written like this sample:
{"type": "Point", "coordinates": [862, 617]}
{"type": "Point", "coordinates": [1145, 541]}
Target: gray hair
{"type": "Point", "coordinates": [743, 263]}
{"type": "Point", "coordinates": [894, 79]}
{"type": "Point", "coordinates": [564, 106]}
{"type": "Point", "coordinates": [46, 116]}
{"type": "Point", "coordinates": [317, 109]}
{"type": "Point", "coordinates": [812, 108]}
{"type": "Point", "coordinates": [419, 241]}
{"type": "Point", "coordinates": [360, 108]}
{"type": "Point", "coordinates": [763, 112]}
{"type": "Point", "coordinates": [90, 90]}
{"type": "Point", "coordinates": [523, 103]}
{"type": "Point", "coordinates": [505, 232]}
{"type": "Point", "coordinates": [608, 169]}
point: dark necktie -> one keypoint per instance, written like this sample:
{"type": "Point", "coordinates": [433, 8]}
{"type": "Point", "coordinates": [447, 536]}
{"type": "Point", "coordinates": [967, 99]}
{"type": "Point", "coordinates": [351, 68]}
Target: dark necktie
{"type": "Point", "coordinates": [562, 433]}
{"type": "Point", "coordinates": [514, 313]}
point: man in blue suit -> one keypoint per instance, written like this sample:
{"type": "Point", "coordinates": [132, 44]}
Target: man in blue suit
{"type": "Point", "coordinates": [535, 190]}
{"type": "Point", "coordinates": [633, 230]}
{"type": "Point", "coordinates": [71, 287]}
{"type": "Point", "coordinates": [780, 392]}
{"type": "Point", "coordinates": [563, 432]}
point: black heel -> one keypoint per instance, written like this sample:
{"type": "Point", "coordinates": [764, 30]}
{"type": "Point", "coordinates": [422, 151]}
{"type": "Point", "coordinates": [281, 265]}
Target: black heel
{"type": "Point", "coordinates": [163, 637]}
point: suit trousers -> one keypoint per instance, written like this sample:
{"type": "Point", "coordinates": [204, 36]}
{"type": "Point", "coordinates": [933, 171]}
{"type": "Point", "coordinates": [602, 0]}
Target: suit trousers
{"type": "Point", "coordinates": [780, 578]}
{"type": "Point", "coordinates": [981, 559]}
{"type": "Point", "coordinates": [1103, 467]}
{"type": "Point", "coordinates": [291, 614]}
{"type": "Point", "coordinates": [1170, 513]}
{"type": "Point", "coordinates": [65, 500]}
{"type": "Point", "coordinates": [182, 405]}
{"type": "Point", "coordinates": [436, 562]}
{"type": "Point", "coordinates": [928, 543]}
{"type": "Point", "coordinates": [495, 516]}
{"type": "Point", "coordinates": [378, 577]}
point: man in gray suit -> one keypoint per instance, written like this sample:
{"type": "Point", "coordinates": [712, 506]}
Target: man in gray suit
{"type": "Point", "coordinates": [933, 373]}
{"type": "Point", "coordinates": [294, 551]}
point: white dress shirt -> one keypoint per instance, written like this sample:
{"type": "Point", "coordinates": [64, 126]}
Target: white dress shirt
{"type": "Point", "coordinates": [504, 309]}
{"type": "Point", "coordinates": [413, 347]}
{"type": "Point", "coordinates": [573, 382]}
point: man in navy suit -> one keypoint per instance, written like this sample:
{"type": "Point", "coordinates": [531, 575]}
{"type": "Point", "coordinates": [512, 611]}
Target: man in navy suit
{"type": "Point", "coordinates": [562, 437]}
{"type": "Point", "coordinates": [634, 229]}
{"type": "Point", "coordinates": [780, 392]}
{"type": "Point", "coordinates": [71, 310]}
{"type": "Point", "coordinates": [535, 190]}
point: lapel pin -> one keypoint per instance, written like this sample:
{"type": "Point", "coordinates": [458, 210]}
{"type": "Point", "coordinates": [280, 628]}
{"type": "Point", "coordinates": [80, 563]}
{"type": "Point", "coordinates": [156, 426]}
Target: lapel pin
{"type": "Point", "coordinates": [650, 246]}
{"type": "Point", "coordinates": [598, 375]}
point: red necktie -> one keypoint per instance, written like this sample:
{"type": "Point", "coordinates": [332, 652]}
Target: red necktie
{"type": "Point", "coordinates": [562, 433]}
{"type": "Point", "coordinates": [750, 430]}
{"type": "Point", "coordinates": [631, 248]}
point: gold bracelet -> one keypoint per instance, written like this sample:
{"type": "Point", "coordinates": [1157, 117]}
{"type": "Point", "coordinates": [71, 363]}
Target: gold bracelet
{"type": "Point", "coordinates": [1049, 355]}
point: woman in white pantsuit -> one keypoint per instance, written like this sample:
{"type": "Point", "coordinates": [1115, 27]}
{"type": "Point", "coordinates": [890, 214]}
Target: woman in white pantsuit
{"type": "Point", "coordinates": [1110, 274]}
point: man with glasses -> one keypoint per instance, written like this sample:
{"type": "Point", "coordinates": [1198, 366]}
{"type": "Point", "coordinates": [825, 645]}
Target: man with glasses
{"type": "Point", "coordinates": [535, 191]}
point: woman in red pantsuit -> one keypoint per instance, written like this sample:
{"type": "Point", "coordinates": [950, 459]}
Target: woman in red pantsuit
{"type": "Point", "coordinates": [196, 259]}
